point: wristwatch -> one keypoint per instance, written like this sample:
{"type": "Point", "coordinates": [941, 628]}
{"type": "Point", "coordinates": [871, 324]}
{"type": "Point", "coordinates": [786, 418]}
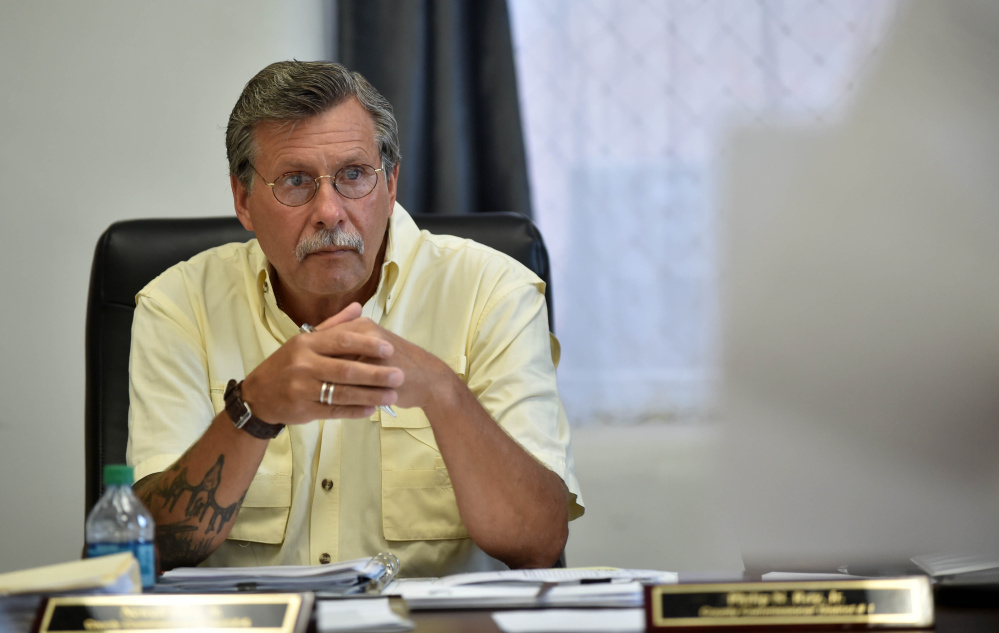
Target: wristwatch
{"type": "Point", "coordinates": [243, 417]}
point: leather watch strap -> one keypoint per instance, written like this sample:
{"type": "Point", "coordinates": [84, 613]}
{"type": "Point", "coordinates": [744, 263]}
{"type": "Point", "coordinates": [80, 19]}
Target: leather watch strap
{"type": "Point", "coordinates": [241, 415]}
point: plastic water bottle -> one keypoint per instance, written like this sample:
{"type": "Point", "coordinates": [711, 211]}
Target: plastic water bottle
{"type": "Point", "coordinates": [120, 523]}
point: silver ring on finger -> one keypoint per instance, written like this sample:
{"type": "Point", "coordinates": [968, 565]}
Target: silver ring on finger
{"type": "Point", "coordinates": [326, 393]}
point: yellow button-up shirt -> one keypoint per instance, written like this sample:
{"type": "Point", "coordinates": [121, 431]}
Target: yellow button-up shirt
{"type": "Point", "coordinates": [343, 489]}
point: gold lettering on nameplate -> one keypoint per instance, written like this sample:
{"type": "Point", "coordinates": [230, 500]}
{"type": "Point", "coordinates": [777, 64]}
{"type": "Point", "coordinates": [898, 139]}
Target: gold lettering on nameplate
{"type": "Point", "coordinates": [896, 602]}
{"type": "Point", "coordinates": [143, 613]}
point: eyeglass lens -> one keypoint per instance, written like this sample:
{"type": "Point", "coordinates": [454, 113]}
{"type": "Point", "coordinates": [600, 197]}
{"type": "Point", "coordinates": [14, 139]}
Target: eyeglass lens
{"type": "Point", "coordinates": [297, 188]}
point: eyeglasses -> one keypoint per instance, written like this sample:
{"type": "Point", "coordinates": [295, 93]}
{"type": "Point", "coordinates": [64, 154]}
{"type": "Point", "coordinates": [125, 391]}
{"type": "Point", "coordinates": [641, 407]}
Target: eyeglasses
{"type": "Point", "coordinates": [299, 187]}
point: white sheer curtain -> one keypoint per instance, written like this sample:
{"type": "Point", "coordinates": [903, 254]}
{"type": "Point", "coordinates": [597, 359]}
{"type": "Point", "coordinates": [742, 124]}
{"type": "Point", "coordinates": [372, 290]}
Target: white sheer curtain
{"type": "Point", "coordinates": [625, 103]}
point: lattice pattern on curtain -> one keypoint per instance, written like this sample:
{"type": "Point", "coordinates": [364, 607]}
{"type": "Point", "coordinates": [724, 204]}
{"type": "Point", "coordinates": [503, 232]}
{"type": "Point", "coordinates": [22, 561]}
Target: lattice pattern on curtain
{"type": "Point", "coordinates": [625, 104]}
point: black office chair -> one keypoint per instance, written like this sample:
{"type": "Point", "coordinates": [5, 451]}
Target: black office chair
{"type": "Point", "coordinates": [132, 252]}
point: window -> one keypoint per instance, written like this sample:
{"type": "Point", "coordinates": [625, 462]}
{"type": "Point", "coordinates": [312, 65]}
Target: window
{"type": "Point", "coordinates": [625, 103]}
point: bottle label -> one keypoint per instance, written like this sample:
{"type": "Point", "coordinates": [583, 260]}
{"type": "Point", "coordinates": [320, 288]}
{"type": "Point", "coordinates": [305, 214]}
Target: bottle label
{"type": "Point", "coordinates": [143, 551]}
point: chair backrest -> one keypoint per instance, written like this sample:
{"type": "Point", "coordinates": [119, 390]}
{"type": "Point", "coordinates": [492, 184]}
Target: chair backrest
{"type": "Point", "coordinates": [133, 252]}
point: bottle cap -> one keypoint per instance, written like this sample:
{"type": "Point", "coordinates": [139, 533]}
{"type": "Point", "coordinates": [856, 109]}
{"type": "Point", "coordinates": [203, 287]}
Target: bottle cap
{"type": "Point", "coordinates": [118, 475]}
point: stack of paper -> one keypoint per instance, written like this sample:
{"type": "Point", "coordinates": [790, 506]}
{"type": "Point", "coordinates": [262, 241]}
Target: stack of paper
{"type": "Point", "coordinates": [570, 575]}
{"type": "Point", "coordinates": [347, 577]}
{"type": "Point", "coordinates": [431, 595]}
{"type": "Point", "coordinates": [115, 573]}
{"type": "Point", "coordinates": [21, 592]}
{"type": "Point", "coordinates": [961, 568]}
{"type": "Point", "coordinates": [581, 587]}
{"type": "Point", "coordinates": [953, 564]}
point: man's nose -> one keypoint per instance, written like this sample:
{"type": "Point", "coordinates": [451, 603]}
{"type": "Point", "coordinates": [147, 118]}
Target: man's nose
{"type": "Point", "coordinates": [328, 204]}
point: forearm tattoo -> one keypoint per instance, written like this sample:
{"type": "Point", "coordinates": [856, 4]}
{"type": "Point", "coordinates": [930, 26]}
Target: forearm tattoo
{"type": "Point", "coordinates": [179, 545]}
{"type": "Point", "coordinates": [189, 540]}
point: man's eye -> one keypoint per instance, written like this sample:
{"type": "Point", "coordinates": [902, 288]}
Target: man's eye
{"type": "Point", "coordinates": [296, 180]}
{"type": "Point", "coordinates": [352, 173]}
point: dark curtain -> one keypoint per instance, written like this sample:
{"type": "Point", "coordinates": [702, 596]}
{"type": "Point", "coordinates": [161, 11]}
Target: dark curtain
{"type": "Point", "coordinates": [447, 68]}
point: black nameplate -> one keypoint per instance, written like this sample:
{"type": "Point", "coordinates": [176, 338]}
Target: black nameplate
{"type": "Point", "coordinates": [886, 602]}
{"type": "Point", "coordinates": [169, 613]}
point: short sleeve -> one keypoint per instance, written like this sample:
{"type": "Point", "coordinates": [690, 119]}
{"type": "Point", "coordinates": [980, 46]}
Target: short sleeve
{"type": "Point", "coordinates": [170, 402]}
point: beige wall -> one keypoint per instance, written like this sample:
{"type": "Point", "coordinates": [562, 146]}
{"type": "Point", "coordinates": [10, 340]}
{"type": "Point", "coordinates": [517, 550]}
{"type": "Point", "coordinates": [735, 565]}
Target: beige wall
{"type": "Point", "coordinates": [110, 109]}
{"type": "Point", "coordinates": [651, 501]}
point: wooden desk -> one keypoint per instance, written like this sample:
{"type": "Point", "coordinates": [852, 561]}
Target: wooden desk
{"type": "Point", "coordinates": [949, 620]}
{"type": "Point", "coordinates": [954, 620]}
{"type": "Point", "coordinates": [477, 621]}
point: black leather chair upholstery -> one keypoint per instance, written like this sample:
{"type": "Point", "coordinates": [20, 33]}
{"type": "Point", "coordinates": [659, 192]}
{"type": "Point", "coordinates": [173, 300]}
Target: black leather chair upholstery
{"type": "Point", "coordinates": [131, 253]}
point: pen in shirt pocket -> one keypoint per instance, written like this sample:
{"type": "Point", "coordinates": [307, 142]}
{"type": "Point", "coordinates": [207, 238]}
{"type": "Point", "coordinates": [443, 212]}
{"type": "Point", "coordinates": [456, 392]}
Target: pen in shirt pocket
{"type": "Point", "coordinates": [305, 327]}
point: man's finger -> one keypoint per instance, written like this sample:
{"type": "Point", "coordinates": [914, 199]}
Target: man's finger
{"type": "Point", "coordinates": [352, 372]}
{"type": "Point", "coordinates": [345, 412]}
{"type": "Point", "coordinates": [345, 344]}
{"type": "Point", "coordinates": [355, 396]}
{"type": "Point", "coordinates": [349, 313]}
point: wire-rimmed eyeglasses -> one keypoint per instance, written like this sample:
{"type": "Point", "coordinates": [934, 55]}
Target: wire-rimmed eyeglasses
{"type": "Point", "coordinates": [299, 187]}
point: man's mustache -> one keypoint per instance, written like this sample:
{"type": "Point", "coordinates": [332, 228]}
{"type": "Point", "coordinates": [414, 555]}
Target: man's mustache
{"type": "Point", "coordinates": [327, 237]}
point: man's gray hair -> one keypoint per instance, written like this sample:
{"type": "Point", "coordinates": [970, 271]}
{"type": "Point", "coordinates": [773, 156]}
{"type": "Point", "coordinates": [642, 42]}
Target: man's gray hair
{"type": "Point", "coordinates": [292, 91]}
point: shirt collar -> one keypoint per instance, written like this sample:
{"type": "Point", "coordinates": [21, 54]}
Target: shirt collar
{"type": "Point", "coordinates": [403, 240]}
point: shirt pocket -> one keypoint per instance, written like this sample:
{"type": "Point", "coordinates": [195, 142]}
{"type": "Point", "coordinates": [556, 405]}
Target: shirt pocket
{"type": "Point", "coordinates": [418, 502]}
{"type": "Point", "coordinates": [263, 515]}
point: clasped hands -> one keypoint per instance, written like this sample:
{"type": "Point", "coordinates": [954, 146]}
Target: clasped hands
{"type": "Point", "coordinates": [367, 365]}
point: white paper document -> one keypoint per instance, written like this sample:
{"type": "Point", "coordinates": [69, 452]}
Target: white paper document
{"type": "Point", "coordinates": [954, 563]}
{"type": "Point", "coordinates": [571, 620]}
{"type": "Point", "coordinates": [370, 615]}
{"type": "Point", "coordinates": [785, 576]}
{"type": "Point", "coordinates": [433, 595]}
{"type": "Point", "coordinates": [558, 575]}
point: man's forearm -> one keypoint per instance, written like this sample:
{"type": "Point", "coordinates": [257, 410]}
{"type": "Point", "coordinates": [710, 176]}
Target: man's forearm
{"type": "Point", "coordinates": [514, 508]}
{"type": "Point", "coordinates": [194, 502]}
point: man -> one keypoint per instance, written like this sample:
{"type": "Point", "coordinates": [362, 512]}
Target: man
{"type": "Point", "coordinates": [421, 410]}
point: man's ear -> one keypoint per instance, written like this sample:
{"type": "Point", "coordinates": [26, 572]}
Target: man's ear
{"type": "Point", "coordinates": [392, 182]}
{"type": "Point", "coordinates": [239, 200]}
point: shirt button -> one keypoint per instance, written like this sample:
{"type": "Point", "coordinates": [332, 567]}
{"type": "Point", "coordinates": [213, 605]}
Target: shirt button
{"type": "Point", "coordinates": [266, 286]}
{"type": "Point", "coordinates": [324, 559]}
{"type": "Point", "coordinates": [327, 484]}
